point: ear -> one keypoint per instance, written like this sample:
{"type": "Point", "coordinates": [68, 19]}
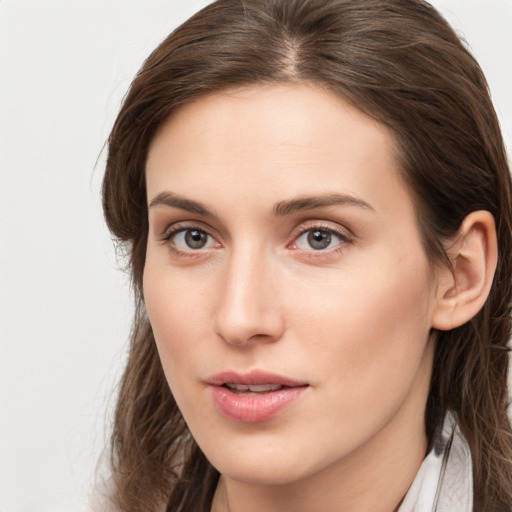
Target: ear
{"type": "Point", "coordinates": [462, 291]}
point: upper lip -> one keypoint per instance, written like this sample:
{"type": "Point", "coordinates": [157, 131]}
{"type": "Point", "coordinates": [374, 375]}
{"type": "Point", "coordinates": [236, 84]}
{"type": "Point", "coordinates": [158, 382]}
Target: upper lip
{"type": "Point", "coordinates": [254, 377]}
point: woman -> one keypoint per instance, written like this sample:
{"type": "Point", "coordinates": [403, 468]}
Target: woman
{"type": "Point", "coordinates": [316, 204]}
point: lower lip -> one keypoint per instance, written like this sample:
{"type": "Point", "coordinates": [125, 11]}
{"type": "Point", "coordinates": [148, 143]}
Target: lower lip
{"type": "Point", "coordinates": [254, 408]}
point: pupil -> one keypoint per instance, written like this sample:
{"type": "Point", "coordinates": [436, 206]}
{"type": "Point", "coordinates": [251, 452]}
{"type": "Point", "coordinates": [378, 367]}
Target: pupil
{"type": "Point", "coordinates": [319, 239]}
{"type": "Point", "coordinates": [195, 239]}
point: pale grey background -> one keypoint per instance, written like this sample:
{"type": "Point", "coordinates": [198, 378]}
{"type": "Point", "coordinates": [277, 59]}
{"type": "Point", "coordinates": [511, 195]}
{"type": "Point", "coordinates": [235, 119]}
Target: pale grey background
{"type": "Point", "coordinates": [64, 309]}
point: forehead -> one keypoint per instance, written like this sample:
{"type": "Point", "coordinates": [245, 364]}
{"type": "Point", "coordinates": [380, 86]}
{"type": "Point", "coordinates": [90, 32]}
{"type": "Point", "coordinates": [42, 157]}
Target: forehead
{"type": "Point", "coordinates": [274, 140]}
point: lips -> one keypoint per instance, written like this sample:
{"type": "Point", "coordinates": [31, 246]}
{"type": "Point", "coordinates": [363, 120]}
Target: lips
{"type": "Point", "coordinates": [254, 397]}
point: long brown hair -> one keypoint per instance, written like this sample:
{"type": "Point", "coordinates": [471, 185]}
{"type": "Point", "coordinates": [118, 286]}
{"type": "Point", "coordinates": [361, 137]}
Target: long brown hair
{"type": "Point", "coordinates": [399, 62]}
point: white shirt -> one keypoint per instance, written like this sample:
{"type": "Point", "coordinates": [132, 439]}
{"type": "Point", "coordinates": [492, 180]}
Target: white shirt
{"type": "Point", "coordinates": [444, 482]}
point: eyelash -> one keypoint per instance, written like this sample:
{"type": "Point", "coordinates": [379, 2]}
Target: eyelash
{"type": "Point", "coordinates": [344, 239]}
{"type": "Point", "coordinates": [301, 230]}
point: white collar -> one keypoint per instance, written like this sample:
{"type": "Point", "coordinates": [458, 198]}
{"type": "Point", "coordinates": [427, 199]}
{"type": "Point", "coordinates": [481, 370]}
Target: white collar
{"type": "Point", "coordinates": [444, 482]}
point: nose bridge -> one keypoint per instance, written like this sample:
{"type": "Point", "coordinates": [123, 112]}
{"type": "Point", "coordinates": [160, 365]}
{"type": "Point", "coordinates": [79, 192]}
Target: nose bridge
{"type": "Point", "coordinates": [246, 305]}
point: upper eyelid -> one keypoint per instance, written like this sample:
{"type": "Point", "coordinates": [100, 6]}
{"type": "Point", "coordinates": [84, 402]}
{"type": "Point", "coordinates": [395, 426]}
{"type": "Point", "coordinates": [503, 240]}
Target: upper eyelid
{"type": "Point", "coordinates": [324, 225]}
{"type": "Point", "coordinates": [176, 227]}
{"type": "Point", "coordinates": [343, 238]}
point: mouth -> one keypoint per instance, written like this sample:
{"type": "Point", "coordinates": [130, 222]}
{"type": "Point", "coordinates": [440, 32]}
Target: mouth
{"type": "Point", "coordinates": [254, 397]}
{"type": "Point", "coordinates": [253, 389]}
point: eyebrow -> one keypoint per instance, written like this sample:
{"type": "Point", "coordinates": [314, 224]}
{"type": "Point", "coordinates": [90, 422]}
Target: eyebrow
{"type": "Point", "coordinates": [175, 201]}
{"type": "Point", "coordinates": [311, 202]}
{"type": "Point", "coordinates": [281, 209]}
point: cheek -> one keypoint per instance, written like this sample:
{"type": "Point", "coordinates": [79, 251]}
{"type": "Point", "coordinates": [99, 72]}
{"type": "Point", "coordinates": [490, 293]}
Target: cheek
{"type": "Point", "coordinates": [368, 331]}
{"type": "Point", "coordinates": [177, 311]}
{"type": "Point", "coordinates": [372, 303]}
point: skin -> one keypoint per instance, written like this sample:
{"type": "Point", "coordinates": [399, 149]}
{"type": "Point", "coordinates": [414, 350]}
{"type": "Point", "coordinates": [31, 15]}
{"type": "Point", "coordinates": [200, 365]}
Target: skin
{"type": "Point", "coordinates": [351, 320]}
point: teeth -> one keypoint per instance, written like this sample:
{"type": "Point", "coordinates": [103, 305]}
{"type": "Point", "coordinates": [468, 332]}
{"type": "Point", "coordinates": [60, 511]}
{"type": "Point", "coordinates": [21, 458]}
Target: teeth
{"type": "Point", "coordinates": [264, 387]}
{"type": "Point", "coordinates": [255, 388]}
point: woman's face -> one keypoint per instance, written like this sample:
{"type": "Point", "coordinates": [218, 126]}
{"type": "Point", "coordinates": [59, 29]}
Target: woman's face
{"type": "Point", "coordinates": [286, 284]}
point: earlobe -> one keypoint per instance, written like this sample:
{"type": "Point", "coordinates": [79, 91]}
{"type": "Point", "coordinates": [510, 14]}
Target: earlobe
{"type": "Point", "coordinates": [463, 290]}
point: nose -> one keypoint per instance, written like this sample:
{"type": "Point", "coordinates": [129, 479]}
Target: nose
{"type": "Point", "coordinates": [248, 309]}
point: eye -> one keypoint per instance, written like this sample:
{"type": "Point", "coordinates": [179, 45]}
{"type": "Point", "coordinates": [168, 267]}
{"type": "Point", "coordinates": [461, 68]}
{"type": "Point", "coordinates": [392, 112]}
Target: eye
{"type": "Point", "coordinates": [190, 239]}
{"type": "Point", "coordinates": [319, 239]}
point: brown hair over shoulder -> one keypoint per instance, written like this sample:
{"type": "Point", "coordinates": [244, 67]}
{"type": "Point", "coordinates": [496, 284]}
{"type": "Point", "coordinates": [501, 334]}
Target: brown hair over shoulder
{"type": "Point", "coordinates": [397, 61]}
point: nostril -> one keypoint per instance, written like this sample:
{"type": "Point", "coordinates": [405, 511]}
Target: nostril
{"type": "Point", "coordinates": [241, 340]}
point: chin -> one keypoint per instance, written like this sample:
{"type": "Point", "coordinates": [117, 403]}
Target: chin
{"type": "Point", "coordinates": [270, 474]}
{"type": "Point", "coordinates": [264, 465]}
